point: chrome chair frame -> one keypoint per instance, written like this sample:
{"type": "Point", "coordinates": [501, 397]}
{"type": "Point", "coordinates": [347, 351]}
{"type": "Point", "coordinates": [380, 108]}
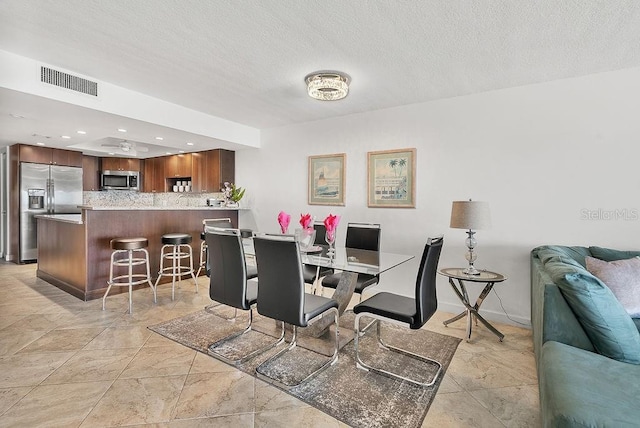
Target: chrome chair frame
{"type": "Point", "coordinates": [270, 279]}
{"type": "Point", "coordinates": [426, 305]}
{"type": "Point", "coordinates": [130, 261]}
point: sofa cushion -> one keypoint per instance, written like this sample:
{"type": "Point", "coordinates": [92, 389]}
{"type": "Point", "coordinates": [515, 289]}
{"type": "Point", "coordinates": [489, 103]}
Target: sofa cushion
{"type": "Point", "coordinates": [609, 254]}
{"type": "Point", "coordinates": [571, 255]}
{"type": "Point", "coordinates": [583, 389]}
{"type": "Point", "coordinates": [609, 327]}
{"type": "Point", "coordinates": [623, 278]}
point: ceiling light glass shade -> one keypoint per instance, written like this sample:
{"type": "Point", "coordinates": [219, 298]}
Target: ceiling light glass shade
{"type": "Point", "coordinates": [327, 85]}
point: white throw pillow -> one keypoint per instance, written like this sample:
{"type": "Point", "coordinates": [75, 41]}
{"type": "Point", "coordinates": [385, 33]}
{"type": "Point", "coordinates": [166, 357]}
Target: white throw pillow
{"type": "Point", "coordinates": [622, 277]}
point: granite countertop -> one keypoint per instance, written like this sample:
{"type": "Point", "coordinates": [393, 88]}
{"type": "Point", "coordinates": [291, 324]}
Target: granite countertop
{"type": "Point", "coordinates": [67, 218]}
{"type": "Point", "coordinates": [154, 208]}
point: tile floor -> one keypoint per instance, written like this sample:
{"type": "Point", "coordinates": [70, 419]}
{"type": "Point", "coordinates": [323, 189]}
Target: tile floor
{"type": "Point", "coordinates": [67, 363]}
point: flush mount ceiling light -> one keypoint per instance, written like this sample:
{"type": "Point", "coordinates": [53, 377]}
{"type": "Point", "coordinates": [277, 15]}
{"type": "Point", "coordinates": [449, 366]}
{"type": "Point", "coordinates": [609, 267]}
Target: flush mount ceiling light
{"type": "Point", "coordinates": [327, 85]}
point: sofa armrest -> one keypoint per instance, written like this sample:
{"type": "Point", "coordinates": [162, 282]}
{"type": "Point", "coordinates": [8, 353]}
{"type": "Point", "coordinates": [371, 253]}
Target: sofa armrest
{"type": "Point", "coordinates": [579, 388]}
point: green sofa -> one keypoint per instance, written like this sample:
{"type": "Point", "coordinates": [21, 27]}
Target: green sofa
{"type": "Point", "coordinates": [579, 386]}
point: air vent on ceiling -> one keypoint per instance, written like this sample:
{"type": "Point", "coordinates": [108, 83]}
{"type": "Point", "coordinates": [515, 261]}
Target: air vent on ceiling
{"type": "Point", "coordinates": [69, 81]}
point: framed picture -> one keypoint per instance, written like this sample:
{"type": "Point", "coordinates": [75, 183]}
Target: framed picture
{"type": "Point", "coordinates": [391, 177]}
{"type": "Point", "coordinates": [326, 179]}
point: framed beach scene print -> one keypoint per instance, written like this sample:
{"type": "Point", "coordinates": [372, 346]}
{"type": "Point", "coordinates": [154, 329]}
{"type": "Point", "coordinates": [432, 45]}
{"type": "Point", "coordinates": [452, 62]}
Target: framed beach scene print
{"type": "Point", "coordinates": [391, 178]}
{"type": "Point", "coordinates": [326, 179]}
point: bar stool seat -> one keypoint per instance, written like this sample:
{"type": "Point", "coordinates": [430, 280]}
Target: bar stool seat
{"type": "Point", "coordinates": [175, 248]}
{"type": "Point", "coordinates": [136, 254]}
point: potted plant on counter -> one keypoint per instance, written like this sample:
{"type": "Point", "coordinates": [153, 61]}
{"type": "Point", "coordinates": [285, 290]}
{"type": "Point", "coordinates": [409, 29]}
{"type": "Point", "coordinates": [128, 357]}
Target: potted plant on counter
{"type": "Point", "coordinates": [232, 194]}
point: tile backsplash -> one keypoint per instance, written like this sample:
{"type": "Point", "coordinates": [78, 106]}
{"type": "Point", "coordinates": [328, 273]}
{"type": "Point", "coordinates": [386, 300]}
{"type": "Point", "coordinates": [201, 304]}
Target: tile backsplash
{"type": "Point", "coordinates": [123, 198]}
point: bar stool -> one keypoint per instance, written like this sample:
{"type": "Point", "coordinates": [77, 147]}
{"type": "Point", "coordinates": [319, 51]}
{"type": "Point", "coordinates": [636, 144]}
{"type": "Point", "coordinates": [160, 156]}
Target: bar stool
{"type": "Point", "coordinates": [131, 247]}
{"type": "Point", "coordinates": [175, 248]}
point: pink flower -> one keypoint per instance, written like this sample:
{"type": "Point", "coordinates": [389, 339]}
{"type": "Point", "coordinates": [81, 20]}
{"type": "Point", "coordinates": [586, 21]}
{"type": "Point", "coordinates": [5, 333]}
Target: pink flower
{"type": "Point", "coordinates": [306, 221]}
{"type": "Point", "coordinates": [283, 220]}
{"type": "Point", "coordinates": [331, 224]}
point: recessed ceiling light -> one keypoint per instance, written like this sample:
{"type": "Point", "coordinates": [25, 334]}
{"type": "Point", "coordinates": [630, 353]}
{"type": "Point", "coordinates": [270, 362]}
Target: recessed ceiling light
{"type": "Point", "coordinates": [189, 144]}
{"type": "Point", "coordinates": [181, 151]}
{"type": "Point", "coordinates": [159, 138]}
{"type": "Point", "coordinates": [81, 132]}
{"type": "Point", "coordinates": [122, 130]}
{"type": "Point", "coordinates": [111, 154]}
{"type": "Point", "coordinates": [40, 144]}
{"type": "Point", "coordinates": [16, 116]}
{"type": "Point", "coordinates": [66, 137]}
{"type": "Point", "coordinates": [168, 153]}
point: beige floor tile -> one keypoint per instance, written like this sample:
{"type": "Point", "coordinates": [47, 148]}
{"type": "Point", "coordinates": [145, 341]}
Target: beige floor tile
{"type": "Point", "coordinates": [13, 341]}
{"type": "Point", "coordinates": [10, 396]}
{"type": "Point", "coordinates": [232, 421]}
{"type": "Point", "coordinates": [170, 360]}
{"type": "Point", "coordinates": [449, 385]}
{"type": "Point", "coordinates": [37, 322]}
{"type": "Point", "coordinates": [93, 365]}
{"type": "Point", "coordinates": [55, 405]}
{"type": "Point", "coordinates": [295, 417]}
{"type": "Point", "coordinates": [122, 337]}
{"type": "Point", "coordinates": [30, 369]}
{"type": "Point", "coordinates": [459, 409]}
{"type": "Point", "coordinates": [515, 406]}
{"type": "Point", "coordinates": [207, 364]}
{"type": "Point", "coordinates": [216, 394]}
{"type": "Point", "coordinates": [269, 398]}
{"type": "Point", "coordinates": [8, 320]}
{"type": "Point", "coordinates": [136, 401]}
{"type": "Point", "coordinates": [87, 319]}
{"type": "Point", "coordinates": [63, 340]}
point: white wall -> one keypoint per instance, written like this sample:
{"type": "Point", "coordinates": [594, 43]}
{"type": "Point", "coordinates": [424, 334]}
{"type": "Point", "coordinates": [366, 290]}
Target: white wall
{"type": "Point", "coordinates": [540, 155]}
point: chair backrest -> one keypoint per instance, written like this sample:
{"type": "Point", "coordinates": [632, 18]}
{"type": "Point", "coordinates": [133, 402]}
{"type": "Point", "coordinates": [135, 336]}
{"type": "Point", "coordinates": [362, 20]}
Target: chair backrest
{"type": "Point", "coordinates": [426, 299]}
{"type": "Point", "coordinates": [321, 231]}
{"type": "Point", "coordinates": [281, 285]}
{"type": "Point", "coordinates": [228, 281]}
{"type": "Point", "coordinates": [363, 236]}
{"type": "Point", "coordinates": [223, 223]}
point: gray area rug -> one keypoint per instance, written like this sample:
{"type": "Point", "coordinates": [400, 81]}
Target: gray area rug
{"type": "Point", "coordinates": [355, 397]}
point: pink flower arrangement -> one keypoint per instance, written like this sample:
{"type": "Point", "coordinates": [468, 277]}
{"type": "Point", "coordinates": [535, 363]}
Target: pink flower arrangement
{"type": "Point", "coordinates": [283, 220]}
{"type": "Point", "coordinates": [331, 224]}
{"type": "Point", "coordinates": [306, 221]}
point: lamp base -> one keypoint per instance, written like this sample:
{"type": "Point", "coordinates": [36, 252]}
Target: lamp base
{"type": "Point", "coordinates": [471, 270]}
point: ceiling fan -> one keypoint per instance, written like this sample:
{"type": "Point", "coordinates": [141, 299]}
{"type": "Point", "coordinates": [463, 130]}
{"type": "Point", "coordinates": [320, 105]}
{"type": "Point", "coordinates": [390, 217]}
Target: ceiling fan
{"type": "Point", "coordinates": [126, 147]}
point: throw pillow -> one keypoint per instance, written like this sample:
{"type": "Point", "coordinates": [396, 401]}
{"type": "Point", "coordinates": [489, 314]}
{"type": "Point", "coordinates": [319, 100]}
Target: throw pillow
{"type": "Point", "coordinates": [604, 320]}
{"type": "Point", "coordinates": [623, 278]}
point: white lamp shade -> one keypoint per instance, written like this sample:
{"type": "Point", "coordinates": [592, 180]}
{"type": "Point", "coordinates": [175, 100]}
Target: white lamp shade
{"type": "Point", "coordinates": [470, 215]}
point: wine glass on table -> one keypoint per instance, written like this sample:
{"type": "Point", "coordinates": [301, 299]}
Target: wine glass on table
{"type": "Point", "coordinates": [330, 237]}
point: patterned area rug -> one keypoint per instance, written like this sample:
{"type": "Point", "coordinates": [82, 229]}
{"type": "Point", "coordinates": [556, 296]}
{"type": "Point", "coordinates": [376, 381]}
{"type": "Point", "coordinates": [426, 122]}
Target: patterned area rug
{"type": "Point", "coordinates": [355, 397]}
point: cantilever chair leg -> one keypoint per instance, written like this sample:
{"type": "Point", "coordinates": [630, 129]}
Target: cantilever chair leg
{"type": "Point", "coordinates": [294, 341]}
{"type": "Point", "coordinates": [254, 353]}
{"type": "Point", "coordinates": [364, 366]}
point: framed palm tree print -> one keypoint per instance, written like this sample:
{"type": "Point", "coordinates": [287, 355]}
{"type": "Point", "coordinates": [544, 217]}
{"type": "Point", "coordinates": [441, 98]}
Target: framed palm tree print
{"type": "Point", "coordinates": [391, 176]}
{"type": "Point", "coordinates": [326, 179]}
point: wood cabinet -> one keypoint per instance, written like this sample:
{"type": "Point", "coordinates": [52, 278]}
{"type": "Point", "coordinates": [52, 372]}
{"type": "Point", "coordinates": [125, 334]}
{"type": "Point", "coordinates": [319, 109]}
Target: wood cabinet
{"type": "Point", "coordinates": [90, 173]}
{"type": "Point", "coordinates": [217, 166]}
{"type": "Point", "coordinates": [178, 165]}
{"type": "Point", "coordinates": [153, 175]}
{"type": "Point", "coordinates": [50, 156]}
{"type": "Point", "coordinates": [120, 164]}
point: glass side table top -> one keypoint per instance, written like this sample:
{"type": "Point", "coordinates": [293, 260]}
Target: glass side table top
{"type": "Point", "coordinates": [484, 276]}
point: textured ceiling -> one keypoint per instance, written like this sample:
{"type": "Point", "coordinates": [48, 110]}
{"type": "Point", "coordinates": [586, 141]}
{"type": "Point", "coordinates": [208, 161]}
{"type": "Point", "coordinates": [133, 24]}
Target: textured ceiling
{"type": "Point", "coordinates": [245, 61]}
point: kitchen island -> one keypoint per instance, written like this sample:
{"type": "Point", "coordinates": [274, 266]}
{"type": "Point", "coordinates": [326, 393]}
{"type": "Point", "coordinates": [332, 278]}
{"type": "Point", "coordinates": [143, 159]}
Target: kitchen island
{"type": "Point", "coordinates": [74, 252]}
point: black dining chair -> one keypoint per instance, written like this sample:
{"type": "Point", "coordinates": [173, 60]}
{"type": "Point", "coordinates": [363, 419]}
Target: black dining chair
{"type": "Point", "coordinates": [362, 236]}
{"type": "Point", "coordinates": [228, 285]}
{"type": "Point", "coordinates": [310, 273]}
{"type": "Point", "coordinates": [282, 297]}
{"type": "Point", "coordinates": [414, 312]}
{"type": "Point", "coordinates": [222, 223]}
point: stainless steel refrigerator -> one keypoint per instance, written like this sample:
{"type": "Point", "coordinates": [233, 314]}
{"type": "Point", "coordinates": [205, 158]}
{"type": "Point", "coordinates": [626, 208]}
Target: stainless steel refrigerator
{"type": "Point", "coordinates": [45, 189]}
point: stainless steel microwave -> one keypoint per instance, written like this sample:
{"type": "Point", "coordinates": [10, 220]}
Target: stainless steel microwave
{"type": "Point", "coordinates": [120, 180]}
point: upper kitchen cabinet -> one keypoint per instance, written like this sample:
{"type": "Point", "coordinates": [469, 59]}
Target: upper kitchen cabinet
{"type": "Point", "coordinates": [178, 165]}
{"type": "Point", "coordinates": [120, 164]}
{"type": "Point", "coordinates": [153, 176]}
{"type": "Point", "coordinates": [213, 168]}
{"type": "Point", "coordinates": [90, 173]}
{"type": "Point", "coordinates": [50, 156]}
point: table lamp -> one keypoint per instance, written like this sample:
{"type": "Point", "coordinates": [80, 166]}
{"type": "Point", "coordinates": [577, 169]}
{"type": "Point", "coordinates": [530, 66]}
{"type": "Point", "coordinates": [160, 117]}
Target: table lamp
{"type": "Point", "coordinates": [470, 215]}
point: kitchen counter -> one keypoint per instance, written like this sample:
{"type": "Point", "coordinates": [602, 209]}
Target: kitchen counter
{"type": "Point", "coordinates": [74, 252]}
{"type": "Point", "coordinates": [155, 208]}
{"type": "Point", "coordinates": [67, 218]}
